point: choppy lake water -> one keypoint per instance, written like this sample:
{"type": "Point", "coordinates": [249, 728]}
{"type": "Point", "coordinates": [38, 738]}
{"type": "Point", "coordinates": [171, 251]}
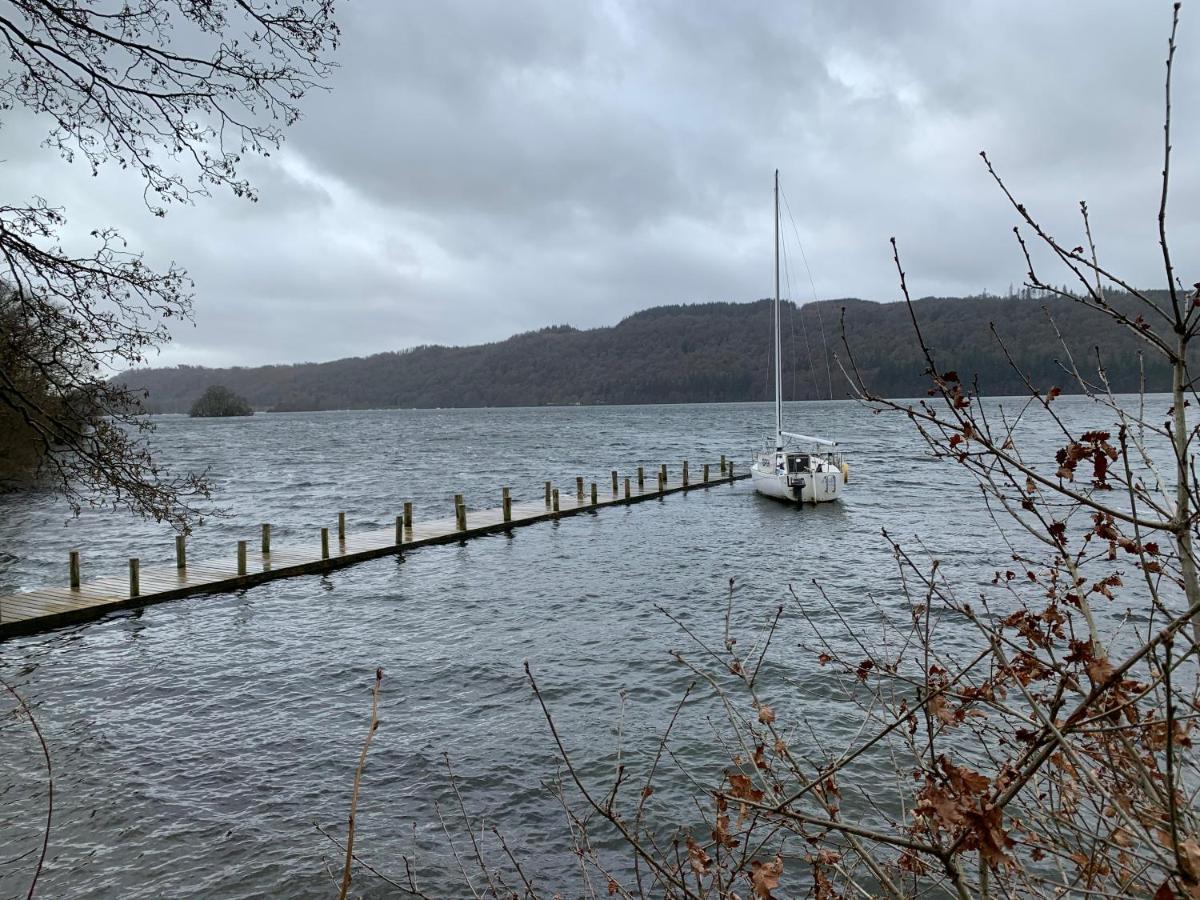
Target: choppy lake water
{"type": "Point", "coordinates": [196, 742]}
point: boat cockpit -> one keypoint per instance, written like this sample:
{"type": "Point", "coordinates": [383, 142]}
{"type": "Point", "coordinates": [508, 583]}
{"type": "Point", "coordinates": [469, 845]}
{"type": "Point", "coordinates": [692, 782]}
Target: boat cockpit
{"type": "Point", "coordinates": [799, 463]}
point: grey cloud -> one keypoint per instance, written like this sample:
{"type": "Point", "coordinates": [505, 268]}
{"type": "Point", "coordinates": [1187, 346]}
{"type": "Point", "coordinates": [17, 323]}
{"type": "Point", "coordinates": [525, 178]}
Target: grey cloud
{"type": "Point", "coordinates": [481, 168]}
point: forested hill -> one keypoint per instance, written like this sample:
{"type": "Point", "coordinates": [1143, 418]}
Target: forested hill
{"type": "Point", "coordinates": [695, 353]}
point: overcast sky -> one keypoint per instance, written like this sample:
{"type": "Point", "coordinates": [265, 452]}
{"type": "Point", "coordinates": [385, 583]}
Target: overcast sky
{"type": "Point", "coordinates": [484, 168]}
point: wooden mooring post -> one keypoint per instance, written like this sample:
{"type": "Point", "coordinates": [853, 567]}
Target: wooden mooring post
{"type": "Point", "coordinates": [579, 488]}
{"type": "Point", "coordinates": [135, 578]}
{"type": "Point", "coordinates": [399, 530]}
{"type": "Point", "coordinates": [706, 473]}
{"type": "Point", "coordinates": [460, 513]}
{"type": "Point", "coordinates": [685, 473]}
{"type": "Point", "coordinates": [180, 552]}
{"type": "Point", "coordinates": [73, 565]}
{"type": "Point", "coordinates": [627, 492]}
{"type": "Point", "coordinates": [324, 543]}
{"type": "Point", "coordinates": [266, 539]}
{"type": "Point", "coordinates": [594, 498]}
{"type": "Point", "coordinates": [662, 476]}
{"type": "Point", "coordinates": [241, 557]}
{"type": "Point", "coordinates": [554, 496]}
{"type": "Point", "coordinates": [408, 514]}
{"type": "Point", "coordinates": [548, 486]}
{"type": "Point", "coordinates": [614, 480]}
{"type": "Point", "coordinates": [641, 478]}
{"type": "Point", "coordinates": [722, 463]}
{"type": "Point", "coordinates": [341, 528]}
{"type": "Point", "coordinates": [505, 505]}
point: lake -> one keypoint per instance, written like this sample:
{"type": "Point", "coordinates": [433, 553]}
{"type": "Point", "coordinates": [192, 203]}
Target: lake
{"type": "Point", "coordinates": [196, 742]}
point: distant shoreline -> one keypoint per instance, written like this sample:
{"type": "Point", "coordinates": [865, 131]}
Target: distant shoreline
{"type": "Point", "coordinates": [1066, 395]}
{"type": "Point", "coordinates": [704, 353]}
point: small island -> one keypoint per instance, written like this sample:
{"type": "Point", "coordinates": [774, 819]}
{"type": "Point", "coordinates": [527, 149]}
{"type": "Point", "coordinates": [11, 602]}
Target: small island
{"type": "Point", "coordinates": [220, 401]}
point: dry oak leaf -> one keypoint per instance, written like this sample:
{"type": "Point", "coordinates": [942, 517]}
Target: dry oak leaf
{"type": "Point", "coordinates": [760, 757]}
{"type": "Point", "coordinates": [1121, 837]}
{"type": "Point", "coordinates": [937, 706]}
{"type": "Point", "coordinates": [720, 833]}
{"type": "Point", "coordinates": [766, 715]}
{"type": "Point", "coordinates": [742, 788]}
{"type": "Point", "coordinates": [1099, 670]}
{"type": "Point", "coordinates": [765, 877]}
{"type": "Point", "coordinates": [990, 838]}
{"type": "Point", "coordinates": [1189, 850]}
{"type": "Point", "coordinates": [698, 859]}
{"type": "Point", "coordinates": [822, 887]}
{"type": "Point", "coordinates": [939, 808]}
{"type": "Point", "coordinates": [963, 779]}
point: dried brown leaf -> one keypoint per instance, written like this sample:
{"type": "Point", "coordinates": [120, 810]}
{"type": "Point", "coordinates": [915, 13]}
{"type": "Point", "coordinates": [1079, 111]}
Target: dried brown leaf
{"type": "Point", "coordinates": [765, 877]}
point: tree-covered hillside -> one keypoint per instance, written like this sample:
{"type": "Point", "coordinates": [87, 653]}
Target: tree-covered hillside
{"type": "Point", "coordinates": [694, 353]}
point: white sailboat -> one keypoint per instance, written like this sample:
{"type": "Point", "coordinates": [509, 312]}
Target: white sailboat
{"type": "Point", "coordinates": [811, 470]}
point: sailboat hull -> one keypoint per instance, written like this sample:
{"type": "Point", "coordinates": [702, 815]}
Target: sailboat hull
{"type": "Point", "coordinates": [808, 487]}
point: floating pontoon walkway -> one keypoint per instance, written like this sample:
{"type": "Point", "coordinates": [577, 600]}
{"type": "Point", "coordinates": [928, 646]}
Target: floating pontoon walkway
{"type": "Point", "coordinates": [53, 607]}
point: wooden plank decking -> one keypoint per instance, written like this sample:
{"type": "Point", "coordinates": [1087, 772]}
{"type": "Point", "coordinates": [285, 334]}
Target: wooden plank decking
{"type": "Point", "coordinates": [52, 607]}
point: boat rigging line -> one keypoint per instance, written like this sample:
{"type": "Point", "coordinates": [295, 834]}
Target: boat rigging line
{"type": "Point", "coordinates": [813, 286]}
{"type": "Point", "coordinates": [795, 307]}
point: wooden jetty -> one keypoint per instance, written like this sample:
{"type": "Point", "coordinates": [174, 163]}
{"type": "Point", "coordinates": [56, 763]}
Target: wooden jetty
{"type": "Point", "coordinates": [47, 608]}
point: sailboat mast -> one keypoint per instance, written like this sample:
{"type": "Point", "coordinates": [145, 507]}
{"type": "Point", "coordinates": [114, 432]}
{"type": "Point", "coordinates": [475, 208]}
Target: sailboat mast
{"type": "Point", "coordinates": [778, 341]}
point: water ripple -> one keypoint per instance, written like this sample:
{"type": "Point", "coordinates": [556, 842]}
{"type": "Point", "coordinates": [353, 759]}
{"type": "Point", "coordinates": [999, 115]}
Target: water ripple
{"type": "Point", "coordinates": [195, 742]}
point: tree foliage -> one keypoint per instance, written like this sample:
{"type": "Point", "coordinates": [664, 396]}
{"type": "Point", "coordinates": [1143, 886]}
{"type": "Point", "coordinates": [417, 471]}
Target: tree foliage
{"type": "Point", "coordinates": [218, 400]}
{"type": "Point", "coordinates": [177, 92]}
{"type": "Point", "coordinates": [20, 454]}
{"type": "Point", "coordinates": [709, 352]}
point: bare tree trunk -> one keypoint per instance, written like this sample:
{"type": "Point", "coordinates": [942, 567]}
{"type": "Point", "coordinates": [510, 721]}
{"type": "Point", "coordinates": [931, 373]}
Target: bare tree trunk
{"type": "Point", "coordinates": [1182, 524]}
